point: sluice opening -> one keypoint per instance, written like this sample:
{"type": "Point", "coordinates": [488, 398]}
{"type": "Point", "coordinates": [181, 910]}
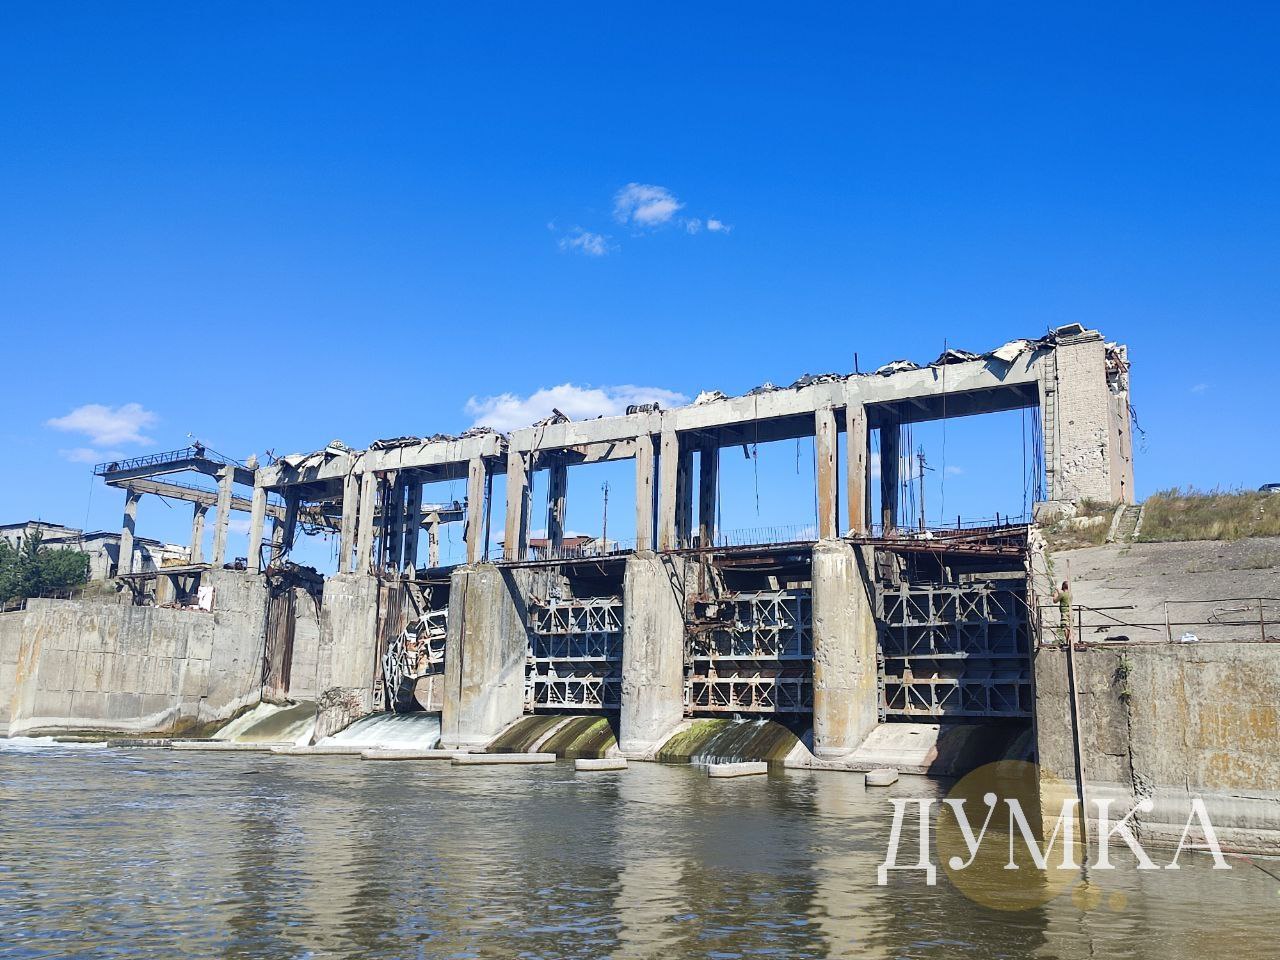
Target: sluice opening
{"type": "Point", "coordinates": [732, 740]}
{"type": "Point", "coordinates": [574, 629]}
{"type": "Point", "coordinates": [749, 638]}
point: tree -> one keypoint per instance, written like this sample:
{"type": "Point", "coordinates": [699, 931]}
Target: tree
{"type": "Point", "coordinates": [34, 570]}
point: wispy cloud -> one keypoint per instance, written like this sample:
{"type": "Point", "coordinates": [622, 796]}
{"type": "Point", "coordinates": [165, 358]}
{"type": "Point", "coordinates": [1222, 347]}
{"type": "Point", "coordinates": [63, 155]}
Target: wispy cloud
{"type": "Point", "coordinates": [954, 470]}
{"type": "Point", "coordinates": [509, 411]}
{"type": "Point", "coordinates": [105, 425]}
{"type": "Point", "coordinates": [645, 205]}
{"type": "Point", "coordinates": [717, 226]}
{"type": "Point", "coordinates": [585, 242]}
{"type": "Point", "coordinates": [1200, 388]}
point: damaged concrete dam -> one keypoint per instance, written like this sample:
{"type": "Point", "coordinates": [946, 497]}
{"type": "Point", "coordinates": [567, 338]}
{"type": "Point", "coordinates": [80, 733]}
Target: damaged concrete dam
{"type": "Point", "coordinates": [864, 642]}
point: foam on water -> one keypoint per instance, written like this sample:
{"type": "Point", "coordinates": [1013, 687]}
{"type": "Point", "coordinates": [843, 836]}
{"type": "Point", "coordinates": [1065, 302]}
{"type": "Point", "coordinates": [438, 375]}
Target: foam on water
{"type": "Point", "coordinates": [391, 731]}
{"type": "Point", "coordinates": [37, 744]}
{"type": "Point", "coordinates": [729, 741]}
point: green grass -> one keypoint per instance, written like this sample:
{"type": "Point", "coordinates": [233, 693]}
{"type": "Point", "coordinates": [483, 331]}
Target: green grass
{"type": "Point", "coordinates": [1188, 514]}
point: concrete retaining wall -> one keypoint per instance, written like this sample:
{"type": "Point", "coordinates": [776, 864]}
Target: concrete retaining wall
{"type": "Point", "coordinates": [1170, 722]}
{"type": "Point", "coordinates": [103, 664]}
{"type": "Point", "coordinates": [345, 656]}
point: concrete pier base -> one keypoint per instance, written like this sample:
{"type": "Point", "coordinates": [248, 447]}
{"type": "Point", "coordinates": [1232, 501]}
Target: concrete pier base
{"type": "Point", "coordinates": [720, 771]}
{"type": "Point", "coordinates": [499, 759]}
{"type": "Point", "coordinates": [484, 657]}
{"type": "Point", "coordinates": [844, 650]}
{"type": "Point", "coordinates": [654, 592]}
{"type": "Point", "coordinates": [602, 763]}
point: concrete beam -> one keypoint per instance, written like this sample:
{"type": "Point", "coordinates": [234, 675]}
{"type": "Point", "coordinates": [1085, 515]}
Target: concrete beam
{"type": "Point", "coordinates": [857, 473]}
{"type": "Point", "coordinates": [825, 447]}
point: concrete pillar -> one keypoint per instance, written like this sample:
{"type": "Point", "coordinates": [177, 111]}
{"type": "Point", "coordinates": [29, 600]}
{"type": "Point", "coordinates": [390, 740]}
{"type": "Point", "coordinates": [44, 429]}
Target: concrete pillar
{"type": "Point", "coordinates": [433, 543]}
{"type": "Point", "coordinates": [350, 512]}
{"type": "Point", "coordinates": [226, 477]}
{"type": "Point", "coordinates": [125, 561]}
{"type": "Point", "coordinates": [825, 441]}
{"type": "Point", "coordinates": [284, 529]}
{"type": "Point", "coordinates": [515, 536]}
{"type": "Point", "coordinates": [668, 472]}
{"type": "Point", "coordinates": [485, 655]}
{"type": "Point", "coordinates": [277, 540]}
{"type": "Point", "coordinates": [644, 492]}
{"type": "Point", "coordinates": [856, 464]}
{"type": "Point", "coordinates": [684, 497]}
{"type": "Point", "coordinates": [257, 516]}
{"type": "Point", "coordinates": [652, 650]}
{"type": "Point", "coordinates": [412, 523]}
{"type": "Point", "coordinates": [557, 493]}
{"type": "Point", "coordinates": [890, 443]}
{"type": "Point", "coordinates": [845, 693]}
{"type": "Point", "coordinates": [198, 510]}
{"type": "Point", "coordinates": [476, 508]}
{"type": "Point", "coordinates": [708, 491]}
{"type": "Point", "coordinates": [366, 528]}
{"type": "Point", "coordinates": [393, 522]}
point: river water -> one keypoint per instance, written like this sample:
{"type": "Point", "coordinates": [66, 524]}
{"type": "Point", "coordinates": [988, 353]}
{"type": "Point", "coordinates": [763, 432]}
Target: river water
{"type": "Point", "coordinates": [152, 853]}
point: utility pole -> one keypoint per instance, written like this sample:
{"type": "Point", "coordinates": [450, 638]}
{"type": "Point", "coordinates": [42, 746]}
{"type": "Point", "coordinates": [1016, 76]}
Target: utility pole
{"type": "Point", "coordinates": [920, 458]}
{"type": "Point", "coordinates": [604, 523]}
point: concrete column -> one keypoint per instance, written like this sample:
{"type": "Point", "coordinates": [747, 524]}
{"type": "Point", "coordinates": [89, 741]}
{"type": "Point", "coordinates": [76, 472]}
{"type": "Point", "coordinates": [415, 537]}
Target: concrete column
{"type": "Point", "coordinates": [845, 708]}
{"type": "Point", "coordinates": [433, 543]}
{"type": "Point", "coordinates": [198, 510]}
{"type": "Point", "coordinates": [485, 654]}
{"type": "Point", "coordinates": [684, 498]}
{"type": "Point", "coordinates": [644, 492]}
{"type": "Point", "coordinates": [350, 512]}
{"type": "Point", "coordinates": [277, 539]}
{"type": "Point", "coordinates": [257, 516]}
{"type": "Point", "coordinates": [856, 463]}
{"type": "Point", "coordinates": [557, 493]}
{"type": "Point", "coordinates": [515, 536]}
{"type": "Point", "coordinates": [226, 477]}
{"type": "Point", "coordinates": [890, 442]}
{"type": "Point", "coordinates": [393, 526]}
{"type": "Point", "coordinates": [125, 562]}
{"type": "Point", "coordinates": [365, 535]}
{"type": "Point", "coordinates": [476, 508]}
{"type": "Point", "coordinates": [412, 524]}
{"type": "Point", "coordinates": [285, 529]}
{"type": "Point", "coordinates": [708, 491]}
{"type": "Point", "coordinates": [652, 651]}
{"type": "Point", "coordinates": [825, 441]}
{"type": "Point", "coordinates": [668, 483]}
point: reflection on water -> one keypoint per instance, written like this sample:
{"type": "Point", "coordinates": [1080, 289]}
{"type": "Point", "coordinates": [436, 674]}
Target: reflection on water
{"type": "Point", "coordinates": [160, 854]}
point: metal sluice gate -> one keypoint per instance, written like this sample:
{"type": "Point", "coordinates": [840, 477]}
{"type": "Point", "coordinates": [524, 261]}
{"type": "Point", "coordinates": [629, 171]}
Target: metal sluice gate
{"type": "Point", "coordinates": [750, 652]}
{"type": "Point", "coordinates": [958, 650]}
{"type": "Point", "coordinates": [575, 655]}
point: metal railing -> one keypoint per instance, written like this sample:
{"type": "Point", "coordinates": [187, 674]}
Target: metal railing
{"type": "Point", "coordinates": [1215, 620]}
{"type": "Point", "coordinates": [159, 460]}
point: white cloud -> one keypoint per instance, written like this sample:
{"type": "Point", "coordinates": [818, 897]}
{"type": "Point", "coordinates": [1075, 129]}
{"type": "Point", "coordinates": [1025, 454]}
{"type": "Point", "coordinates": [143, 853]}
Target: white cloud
{"type": "Point", "coordinates": [586, 242]}
{"type": "Point", "coordinates": [1200, 388]}
{"type": "Point", "coordinates": [955, 471]}
{"type": "Point", "coordinates": [88, 455]}
{"type": "Point", "coordinates": [107, 426]}
{"type": "Point", "coordinates": [645, 205]}
{"type": "Point", "coordinates": [717, 226]}
{"type": "Point", "coordinates": [693, 225]}
{"type": "Point", "coordinates": [509, 411]}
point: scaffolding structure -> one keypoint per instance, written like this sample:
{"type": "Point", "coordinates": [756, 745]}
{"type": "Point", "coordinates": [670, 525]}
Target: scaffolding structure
{"type": "Point", "coordinates": [750, 652]}
{"type": "Point", "coordinates": [575, 654]}
{"type": "Point", "coordinates": [955, 650]}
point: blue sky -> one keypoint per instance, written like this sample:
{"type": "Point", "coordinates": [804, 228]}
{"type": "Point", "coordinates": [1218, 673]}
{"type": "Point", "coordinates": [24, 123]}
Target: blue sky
{"type": "Point", "coordinates": [272, 225]}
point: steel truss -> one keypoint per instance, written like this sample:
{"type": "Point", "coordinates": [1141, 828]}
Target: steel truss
{"type": "Point", "coordinates": [751, 652]}
{"type": "Point", "coordinates": [955, 650]}
{"type": "Point", "coordinates": [417, 652]}
{"type": "Point", "coordinates": [575, 654]}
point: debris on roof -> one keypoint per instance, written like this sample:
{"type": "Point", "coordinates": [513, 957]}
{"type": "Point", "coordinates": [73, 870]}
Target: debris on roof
{"type": "Point", "coordinates": [643, 408]}
{"type": "Point", "coordinates": [556, 417]}
{"type": "Point", "coordinates": [1012, 350]}
{"type": "Point", "coordinates": [709, 396]}
{"type": "Point", "coordinates": [954, 356]}
{"type": "Point", "coordinates": [809, 379]}
{"type": "Point", "coordinates": [897, 366]}
{"type": "Point", "coordinates": [765, 387]}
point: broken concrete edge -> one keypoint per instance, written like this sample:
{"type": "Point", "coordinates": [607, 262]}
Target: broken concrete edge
{"type": "Point", "coordinates": [494, 759]}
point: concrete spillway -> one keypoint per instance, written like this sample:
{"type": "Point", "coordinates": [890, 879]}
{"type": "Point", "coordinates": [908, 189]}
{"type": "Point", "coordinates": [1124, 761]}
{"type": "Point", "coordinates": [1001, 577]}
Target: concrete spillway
{"type": "Point", "coordinates": [567, 737]}
{"type": "Point", "coordinates": [389, 731]}
{"type": "Point", "coordinates": [272, 723]}
{"type": "Point", "coordinates": [729, 741]}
